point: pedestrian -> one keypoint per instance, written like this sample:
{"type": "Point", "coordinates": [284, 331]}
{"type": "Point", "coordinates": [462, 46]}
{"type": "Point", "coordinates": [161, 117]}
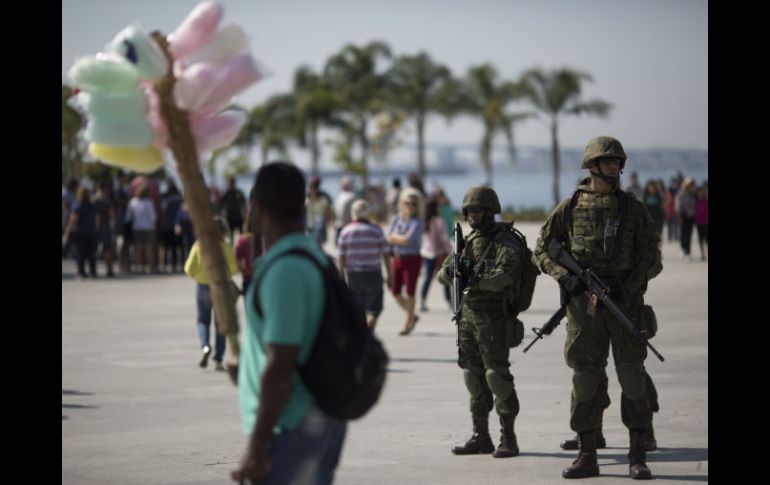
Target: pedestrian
{"type": "Point", "coordinates": [362, 250]}
{"type": "Point", "coordinates": [291, 441]}
{"type": "Point", "coordinates": [195, 269]}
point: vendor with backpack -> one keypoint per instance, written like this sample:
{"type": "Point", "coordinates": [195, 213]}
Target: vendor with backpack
{"type": "Point", "coordinates": [496, 261]}
{"type": "Point", "coordinates": [279, 338]}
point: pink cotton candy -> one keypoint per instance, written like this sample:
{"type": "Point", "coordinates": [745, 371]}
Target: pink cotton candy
{"type": "Point", "coordinates": [160, 139]}
{"type": "Point", "coordinates": [196, 84]}
{"type": "Point", "coordinates": [226, 43]}
{"type": "Point", "coordinates": [218, 131]}
{"type": "Point", "coordinates": [196, 30]}
{"type": "Point", "coordinates": [240, 73]}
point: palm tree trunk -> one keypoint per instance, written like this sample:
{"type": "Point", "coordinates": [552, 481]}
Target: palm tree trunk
{"type": "Point", "coordinates": [555, 160]}
{"type": "Point", "coordinates": [485, 154]}
{"type": "Point", "coordinates": [421, 145]}
{"type": "Point", "coordinates": [196, 196]}
{"type": "Point", "coordinates": [364, 154]}
{"type": "Point", "coordinates": [314, 151]}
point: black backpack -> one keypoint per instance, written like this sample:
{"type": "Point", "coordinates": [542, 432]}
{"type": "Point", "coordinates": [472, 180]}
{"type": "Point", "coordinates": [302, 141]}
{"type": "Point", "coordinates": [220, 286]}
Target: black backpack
{"type": "Point", "coordinates": [529, 270]}
{"type": "Point", "coordinates": [347, 364]}
{"type": "Point", "coordinates": [529, 273]}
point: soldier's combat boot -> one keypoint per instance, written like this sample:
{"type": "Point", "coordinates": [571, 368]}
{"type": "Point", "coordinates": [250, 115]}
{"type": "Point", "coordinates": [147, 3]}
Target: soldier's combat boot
{"type": "Point", "coordinates": [637, 455]}
{"type": "Point", "coordinates": [480, 442]}
{"type": "Point", "coordinates": [586, 464]}
{"type": "Point", "coordinates": [573, 443]}
{"type": "Point", "coordinates": [651, 443]}
{"type": "Point", "coordinates": [508, 445]}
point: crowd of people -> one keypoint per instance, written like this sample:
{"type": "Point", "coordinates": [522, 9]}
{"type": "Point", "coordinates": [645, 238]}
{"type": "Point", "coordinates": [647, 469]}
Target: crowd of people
{"type": "Point", "coordinates": [131, 223]}
{"type": "Point", "coordinates": [679, 208]}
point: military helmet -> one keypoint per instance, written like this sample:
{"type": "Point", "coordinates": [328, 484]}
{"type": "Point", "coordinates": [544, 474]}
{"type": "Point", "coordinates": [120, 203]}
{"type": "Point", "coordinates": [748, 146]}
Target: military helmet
{"type": "Point", "coordinates": [603, 146]}
{"type": "Point", "coordinates": [484, 196]}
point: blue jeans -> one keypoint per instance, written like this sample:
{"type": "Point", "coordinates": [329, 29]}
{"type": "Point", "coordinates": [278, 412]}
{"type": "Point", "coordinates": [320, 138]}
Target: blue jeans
{"type": "Point", "coordinates": [430, 267]}
{"type": "Point", "coordinates": [205, 307]}
{"type": "Point", "coordinates": [307, 454]}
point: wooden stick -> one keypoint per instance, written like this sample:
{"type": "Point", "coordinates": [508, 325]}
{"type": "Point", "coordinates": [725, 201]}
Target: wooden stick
{"type": "Point", "coordinates": [196, 195]}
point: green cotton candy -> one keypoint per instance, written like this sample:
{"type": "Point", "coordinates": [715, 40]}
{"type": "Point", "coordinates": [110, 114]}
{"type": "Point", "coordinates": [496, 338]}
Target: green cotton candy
{"type": "Point", "coordinates": [135, 133]}
{"type": "Point", "coordinates": [114, 106]}
{"type": "Point", "coordinates": [140, 50]}
{"type": "Point", "coordinates": [92, 74]}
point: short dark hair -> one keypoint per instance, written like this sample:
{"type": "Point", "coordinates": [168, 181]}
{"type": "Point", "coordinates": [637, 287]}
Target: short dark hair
{"type": "Point", "coordinates": [279, 187]}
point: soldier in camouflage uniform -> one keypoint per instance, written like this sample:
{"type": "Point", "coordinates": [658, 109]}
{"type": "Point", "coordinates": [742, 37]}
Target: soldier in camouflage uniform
{"type": "Point", "coordinates": [487, 312]}
{"type": "Point", "coordinates": [610, 231]}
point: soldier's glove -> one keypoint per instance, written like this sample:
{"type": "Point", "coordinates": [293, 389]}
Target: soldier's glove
{"type": "Point", "coordinates": [450, 271]}
{"type": "Point", "coordinates": [619, 294]}
{"type": "Point", "coordinates": [573, 284]}
{"type": "Point", "coordinates": [467, 270]}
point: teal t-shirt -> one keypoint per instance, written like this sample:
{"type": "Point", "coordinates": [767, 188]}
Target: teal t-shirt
{"type": "Point", "coordinates": [292, 296]}
{"type": "Point", "coordinates": [448, 214]}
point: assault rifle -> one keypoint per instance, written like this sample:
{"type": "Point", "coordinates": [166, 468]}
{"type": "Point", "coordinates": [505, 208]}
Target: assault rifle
{"type": "Point", "coordinates": [457, 284]}
{"type": "Point", "coordinates": [464, 275]}
{"type": "Point", "coordinates": [601, 290]}
{"type": "Point", "coordinates": [549, 326]}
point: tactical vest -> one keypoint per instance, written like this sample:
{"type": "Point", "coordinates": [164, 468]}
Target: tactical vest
{"type": "Point", "coordinates": [599, 234]}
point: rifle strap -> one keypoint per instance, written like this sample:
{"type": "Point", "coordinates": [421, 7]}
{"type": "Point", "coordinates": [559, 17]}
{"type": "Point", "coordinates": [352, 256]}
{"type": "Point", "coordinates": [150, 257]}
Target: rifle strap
{"type": "Point", "coordinates": [478, 264]}
{"type": "Point", "coordinates": [622, 209]}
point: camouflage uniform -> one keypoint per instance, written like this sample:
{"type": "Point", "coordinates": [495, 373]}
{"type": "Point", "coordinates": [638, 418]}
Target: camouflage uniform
{"type": "Point", "coordinates": [604, 400]}
{"type": "Point", "coordinates": [591, 230]}
{"type": "Point", "coordinates": [487, 311]}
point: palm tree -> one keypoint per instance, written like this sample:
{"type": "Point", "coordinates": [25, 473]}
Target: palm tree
{"type": "Point", "coordinates": [316, 105]}
{"type": "Point", "coordinates": [388, 128]}
{"type": "Point", "coordinates": [353, 76]}
{"type": "Point", "coordinates": [270, 124]}
{"type": "Point", "coordinates": [482, 95]}
{"type": "Point", "coordinates": [557, 92]}
{"type": "Point", "coordinates": [415, 85]}
{"type": "Point", "coordinates": [71, 123]}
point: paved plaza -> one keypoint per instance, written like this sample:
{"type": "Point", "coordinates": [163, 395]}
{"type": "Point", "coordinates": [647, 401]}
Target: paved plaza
{"type": "Point", "coordinates": [137, 409]}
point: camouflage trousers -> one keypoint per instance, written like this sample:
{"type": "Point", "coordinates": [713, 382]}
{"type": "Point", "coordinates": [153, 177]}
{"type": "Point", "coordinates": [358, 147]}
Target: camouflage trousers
{"type": "Point", "coordinates": [483, 357]}
{"type": "Point", "coordinates": [586, 350]}
{"type": "Point", "coordinates": [604, 396]}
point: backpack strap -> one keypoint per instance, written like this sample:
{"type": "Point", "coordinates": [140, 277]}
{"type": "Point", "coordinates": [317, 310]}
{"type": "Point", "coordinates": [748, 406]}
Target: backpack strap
{"type": "Point", "coordinates": [299, 252]}
{"type": "Point", "coordinates": [568, 215]}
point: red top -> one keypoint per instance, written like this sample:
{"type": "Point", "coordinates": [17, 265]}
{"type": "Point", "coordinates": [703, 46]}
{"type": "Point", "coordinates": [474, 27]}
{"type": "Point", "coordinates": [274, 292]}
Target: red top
{"type": "Point", "coordinates": [244, 255]}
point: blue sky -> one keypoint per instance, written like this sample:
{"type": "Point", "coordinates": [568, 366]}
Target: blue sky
{"type": "Point", "coordinates": [647, 57]}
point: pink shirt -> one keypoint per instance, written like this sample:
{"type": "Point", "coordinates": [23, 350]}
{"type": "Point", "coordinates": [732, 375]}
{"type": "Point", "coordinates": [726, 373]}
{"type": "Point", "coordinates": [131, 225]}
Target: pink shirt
{"type": "Point", "coordinates": [435, 242]}
{"type": "Point", "coordinates": [702, 212]}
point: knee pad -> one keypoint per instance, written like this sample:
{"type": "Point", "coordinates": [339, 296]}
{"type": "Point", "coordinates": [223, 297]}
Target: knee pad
{"type": "Point", "coordinates": [501, 385]}
{"type": "Point", "coordinates": [473, 382]}
{"type": "Point", "coordinates": [632, 380]}
{"type": "Point", "coordinates": [585, 383]}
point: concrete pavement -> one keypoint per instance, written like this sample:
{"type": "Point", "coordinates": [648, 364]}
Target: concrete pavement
{"type": "Point", "coordinates": [136, 409]}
